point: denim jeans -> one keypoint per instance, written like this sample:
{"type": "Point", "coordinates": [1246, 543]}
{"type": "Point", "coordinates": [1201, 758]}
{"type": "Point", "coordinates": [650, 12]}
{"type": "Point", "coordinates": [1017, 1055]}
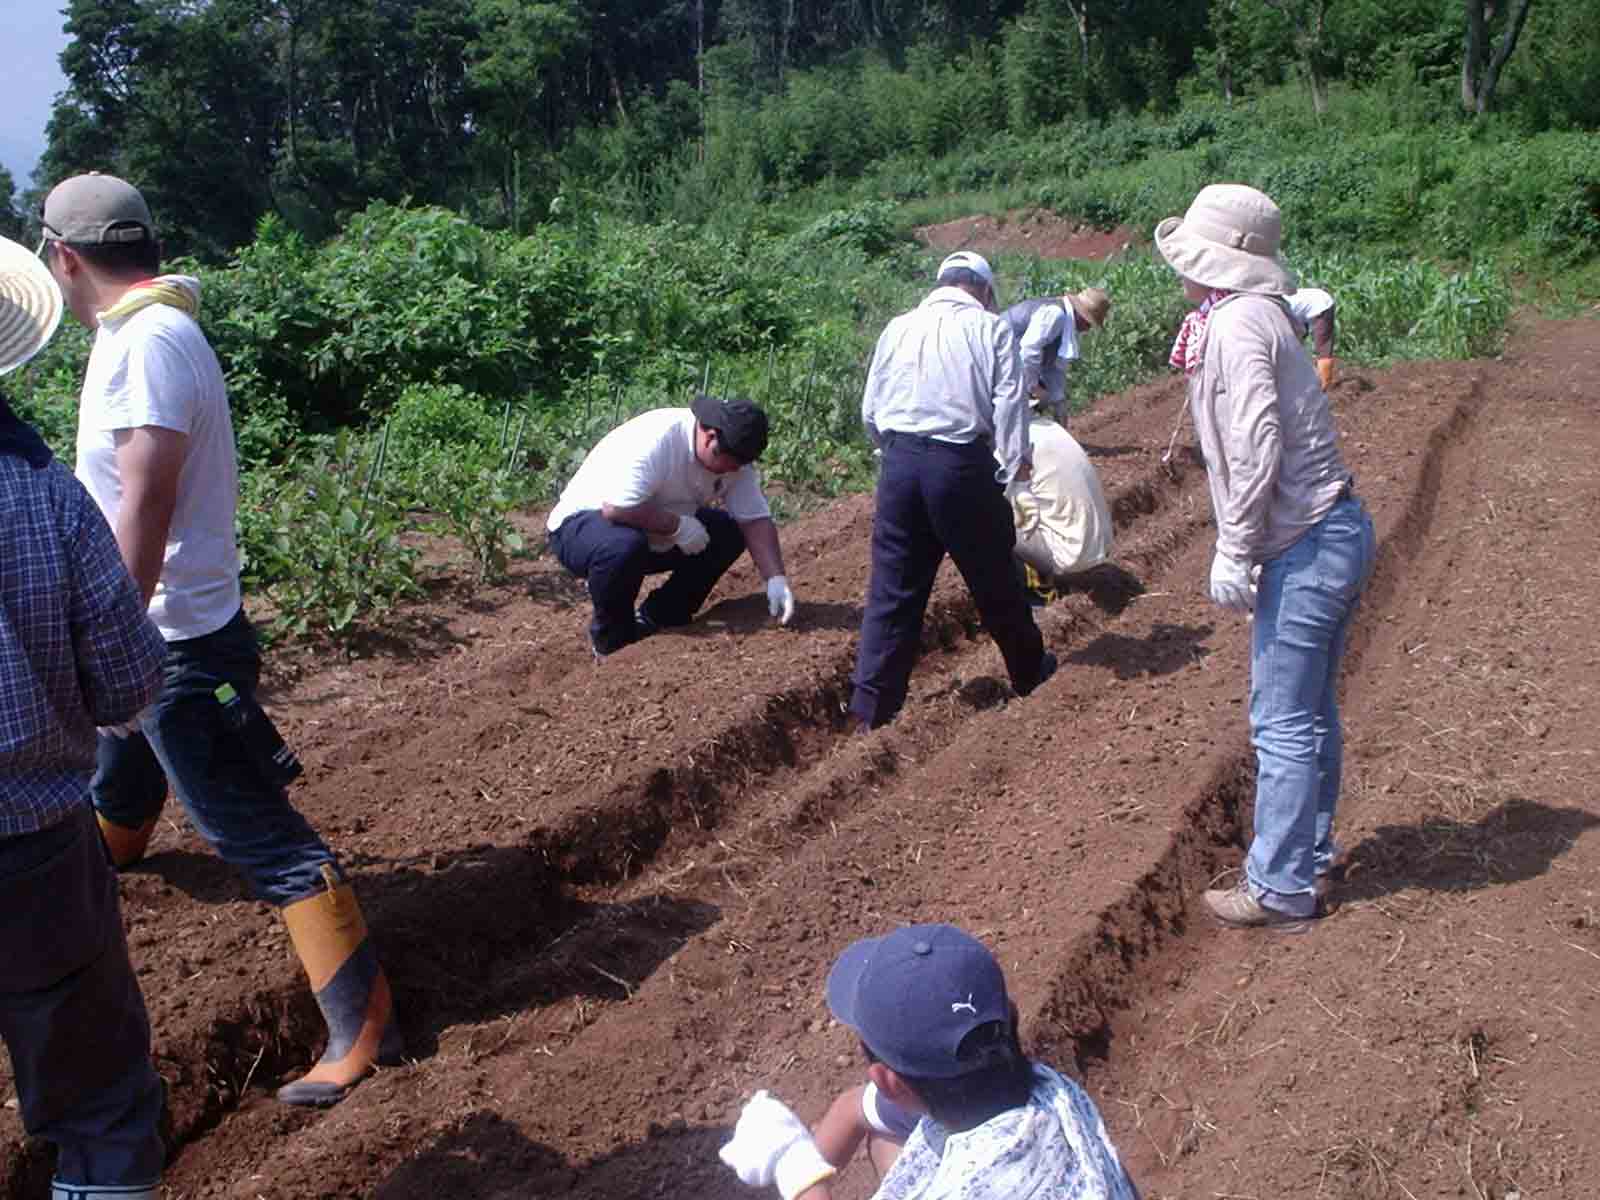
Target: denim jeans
{"type": "Point", "coordinates": [248, 821]}
{"type": "Point", "coordinates": [1305, 598]}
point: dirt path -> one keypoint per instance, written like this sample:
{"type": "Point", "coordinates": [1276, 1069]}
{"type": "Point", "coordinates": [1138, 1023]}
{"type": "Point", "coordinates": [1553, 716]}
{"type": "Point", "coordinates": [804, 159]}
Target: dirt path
{"type": "Point", "coordinates": [608, 895]}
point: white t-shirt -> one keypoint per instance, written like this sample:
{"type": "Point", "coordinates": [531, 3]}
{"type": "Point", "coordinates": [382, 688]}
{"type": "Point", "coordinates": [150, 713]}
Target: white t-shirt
{"type": "Point", "coordinates": [651, 459]}
{"type": "Point", "coordinates": [155, 367]}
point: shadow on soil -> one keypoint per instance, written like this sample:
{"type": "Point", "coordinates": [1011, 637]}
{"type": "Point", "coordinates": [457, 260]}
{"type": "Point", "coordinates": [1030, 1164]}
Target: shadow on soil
{"type": "Point", "coordinates": [1169, 648]}
{"type": "Point", "coordinates": [1514, 841]}
{"type": "Point", "coordinates": [489, 1157]}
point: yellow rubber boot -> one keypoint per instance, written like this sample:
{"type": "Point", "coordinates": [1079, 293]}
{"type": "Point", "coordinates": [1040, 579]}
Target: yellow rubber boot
{"type": "Point", "coordinates": [127, 846]}
{"type": "Point", "coordinates": [330, 936]}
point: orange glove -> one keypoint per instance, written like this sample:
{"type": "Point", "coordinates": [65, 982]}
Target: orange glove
{"type": "Point", "coordinates": [1325, 372]}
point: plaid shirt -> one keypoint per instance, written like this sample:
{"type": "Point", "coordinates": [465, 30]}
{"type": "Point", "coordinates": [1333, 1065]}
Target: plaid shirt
{"type": "Point", "coordinates": [76, 649]}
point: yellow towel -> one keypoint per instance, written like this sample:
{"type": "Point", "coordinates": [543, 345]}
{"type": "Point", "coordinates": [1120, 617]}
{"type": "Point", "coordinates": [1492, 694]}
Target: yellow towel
{"type": "Point", "coordinates": [180, 291]}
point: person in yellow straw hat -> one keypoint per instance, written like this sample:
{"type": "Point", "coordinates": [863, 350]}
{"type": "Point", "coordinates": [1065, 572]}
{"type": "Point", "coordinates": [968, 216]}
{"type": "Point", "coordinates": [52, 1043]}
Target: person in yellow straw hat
{"type": "Point", "coordinates": [1047, 330]}
{"type": "Point", "coordinates": [76, 650]}
{"type": "Point", "coordinates": [1295, 547]}
{"type": "Point", "coordinates": [155, 449]}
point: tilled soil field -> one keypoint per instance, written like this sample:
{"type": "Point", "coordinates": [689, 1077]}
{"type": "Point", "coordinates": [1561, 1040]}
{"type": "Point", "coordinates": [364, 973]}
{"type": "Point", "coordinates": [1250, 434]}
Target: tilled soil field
{"type": "Point", "coordinates": [607, 895]}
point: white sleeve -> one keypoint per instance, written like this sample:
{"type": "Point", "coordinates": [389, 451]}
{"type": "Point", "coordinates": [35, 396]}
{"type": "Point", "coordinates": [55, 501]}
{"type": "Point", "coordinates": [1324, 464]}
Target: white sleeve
{"type": "Point", "coordinates": [745, 500]}
{"type": "Point", "coordinates": [1010, 405]}
{"type": "Point", "coordinates": [160, 387]}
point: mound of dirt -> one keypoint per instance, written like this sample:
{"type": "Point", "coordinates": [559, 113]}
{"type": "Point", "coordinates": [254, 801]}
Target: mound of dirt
{"type": "Point", "coordinates": [608, 894]}
{"type": "Point", "coordinates": [1027, 231]}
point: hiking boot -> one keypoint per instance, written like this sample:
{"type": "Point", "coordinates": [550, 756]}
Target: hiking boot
{"type": "Point", "coordinates": [1235, 906]}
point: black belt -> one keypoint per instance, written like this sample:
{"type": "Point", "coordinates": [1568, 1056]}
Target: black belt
{"type": "Point", "coordinates": [1348, 491]}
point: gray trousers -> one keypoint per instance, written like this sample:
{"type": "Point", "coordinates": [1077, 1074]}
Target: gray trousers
{"type": "Point", "coordinates": [71, 1012]}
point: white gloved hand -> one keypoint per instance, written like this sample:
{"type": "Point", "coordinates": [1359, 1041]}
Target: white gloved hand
{"type": "Point", "coordinates": [690, 536]}
{"type": "Point", "coordinates": [772, 1145]}
{"type": "Point", "coordinates": [780, 599]}
{"type": "Point", "coordinates": [1231, 583]}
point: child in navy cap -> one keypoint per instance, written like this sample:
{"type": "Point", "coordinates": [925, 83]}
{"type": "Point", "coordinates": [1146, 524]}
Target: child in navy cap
{"type": "Point", "coordinates": [947, 1077]}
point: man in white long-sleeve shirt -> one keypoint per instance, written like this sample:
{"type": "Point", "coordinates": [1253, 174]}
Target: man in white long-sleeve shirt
{"type": "Point", "coordinates": [943, 401]}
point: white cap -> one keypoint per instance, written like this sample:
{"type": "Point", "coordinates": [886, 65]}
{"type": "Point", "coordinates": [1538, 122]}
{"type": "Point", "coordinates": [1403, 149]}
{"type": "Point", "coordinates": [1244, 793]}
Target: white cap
{"type": "Point", "coordinates": [975, 263]}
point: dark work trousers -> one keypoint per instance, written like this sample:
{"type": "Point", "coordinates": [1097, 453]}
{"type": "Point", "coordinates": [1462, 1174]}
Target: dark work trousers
{"type": "Point", "coordinates": [616, 558]}
{"type": "Point", "coordinates": [70, 1008]}
{"type": "Point", "coordinates": [182, 738]}
{"type": "Point", "coordinates": [935, 497]}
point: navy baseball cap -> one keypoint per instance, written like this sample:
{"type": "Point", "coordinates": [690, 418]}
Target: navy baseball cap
{"type": "Point", "coordinates": [914, 994]}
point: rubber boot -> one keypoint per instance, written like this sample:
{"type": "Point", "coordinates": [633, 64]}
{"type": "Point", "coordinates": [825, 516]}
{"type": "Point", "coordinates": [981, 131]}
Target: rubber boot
{"type": "Point", "coordinates": [101, 1191]}
{"type": "Point", "coordinates": [127, 846]}
{"type": "Point", "coordinates": [330, 936]}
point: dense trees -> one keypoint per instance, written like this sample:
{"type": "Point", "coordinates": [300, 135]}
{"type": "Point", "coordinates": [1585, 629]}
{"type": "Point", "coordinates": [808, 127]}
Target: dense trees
{"type": "Point", "coordinates": [308, 109]}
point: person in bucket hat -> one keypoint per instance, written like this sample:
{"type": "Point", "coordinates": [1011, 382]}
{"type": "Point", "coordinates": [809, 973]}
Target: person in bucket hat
{"type": "Point", "coordinates": [156, 451]}
{"type": "Point", "coordinates": [1047, 330]}
{"type": "Point", "coordinates": [672, 491]}
{"type": "Point", "coordinates": [947, 1077]}
{"type": "Point", "coordinates": [1295, 547]}
{"type": "Point", "coordinates": [76, 649]}
{"type": "Point", "coordinates": [943, 400]}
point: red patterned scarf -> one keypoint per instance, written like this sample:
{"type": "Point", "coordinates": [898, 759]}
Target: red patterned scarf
{"type": "Point", "coordinates": [1187, 348]}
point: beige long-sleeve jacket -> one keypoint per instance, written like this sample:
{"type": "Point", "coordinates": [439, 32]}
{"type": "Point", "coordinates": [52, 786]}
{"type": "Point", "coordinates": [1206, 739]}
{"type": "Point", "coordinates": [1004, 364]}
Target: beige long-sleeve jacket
{"type": "Point", "coordinates": [1262, 419]}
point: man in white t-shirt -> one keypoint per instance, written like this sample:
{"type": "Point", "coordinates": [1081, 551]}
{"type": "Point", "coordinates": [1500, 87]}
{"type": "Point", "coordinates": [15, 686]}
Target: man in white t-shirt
{"type": "Point", "coordinates": [643, 503]}
{"type": "Point", "coordinates": [1312, 310]}
{"type": "Point", "coordinates": [155, 451]}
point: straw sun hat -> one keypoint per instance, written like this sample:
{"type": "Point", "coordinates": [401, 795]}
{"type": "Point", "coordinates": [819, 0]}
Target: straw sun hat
{"type": "Point", "coordinates": [30, 305]}
{"type": "Point", "coordinates": [1092, 304]}
{"type": "Point", "coordinates": [1229, 238]}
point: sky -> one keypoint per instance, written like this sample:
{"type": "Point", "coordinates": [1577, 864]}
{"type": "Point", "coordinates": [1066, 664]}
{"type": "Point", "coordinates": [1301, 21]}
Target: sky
{"type": "Point", "coordinates": [34, 42]}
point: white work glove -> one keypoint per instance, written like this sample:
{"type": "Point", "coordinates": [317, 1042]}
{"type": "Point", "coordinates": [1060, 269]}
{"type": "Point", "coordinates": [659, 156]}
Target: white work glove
{"type": "Point", "coordinates": [690, 536]}
{"type": "Point", "coordinates": [780, 599]}
{"type": "Point", "coordinates": [772, 1146]}
{"type": "Point", "coordinates": [1232, 585]}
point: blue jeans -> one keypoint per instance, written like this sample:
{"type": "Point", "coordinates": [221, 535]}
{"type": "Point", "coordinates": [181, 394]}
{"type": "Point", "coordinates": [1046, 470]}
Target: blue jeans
{"type": "Point", "coordinates": [248, 821]}
{"type": "Point", "coordinates": [1305, 598]}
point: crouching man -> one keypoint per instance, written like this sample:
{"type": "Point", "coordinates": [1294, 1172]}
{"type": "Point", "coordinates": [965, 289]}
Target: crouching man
{"type": "Point", "coordinates": [643, 503]}
{"type": "Point", "coordinates": [1063, 521]}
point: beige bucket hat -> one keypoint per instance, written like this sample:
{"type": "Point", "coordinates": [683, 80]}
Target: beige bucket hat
{"type": "Point", "coordinates": [1092, 304]}
{"type": "Point", "coordinates": [30, 305]}
{"type": "Point", "coordinates": [1229, 238]}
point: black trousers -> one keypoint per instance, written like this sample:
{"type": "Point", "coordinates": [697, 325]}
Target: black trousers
{"type": "Point", "coordinates": [616, 558]}
{"type": "Point", "coordinates": [71, 1012]}
{"type": "Point", "coordinates": [937, 497]}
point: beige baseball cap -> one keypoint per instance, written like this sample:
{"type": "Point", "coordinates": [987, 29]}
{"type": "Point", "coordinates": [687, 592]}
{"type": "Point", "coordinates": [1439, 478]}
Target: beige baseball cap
{"type": "Point", "coordinates": [96, 209]}
{"type": "Point", "coordinates": [30, 305]}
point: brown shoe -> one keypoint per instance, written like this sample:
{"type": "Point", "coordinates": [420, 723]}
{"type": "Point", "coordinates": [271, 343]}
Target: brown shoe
{"type": "Point", "coordinates": [1235, 906]}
